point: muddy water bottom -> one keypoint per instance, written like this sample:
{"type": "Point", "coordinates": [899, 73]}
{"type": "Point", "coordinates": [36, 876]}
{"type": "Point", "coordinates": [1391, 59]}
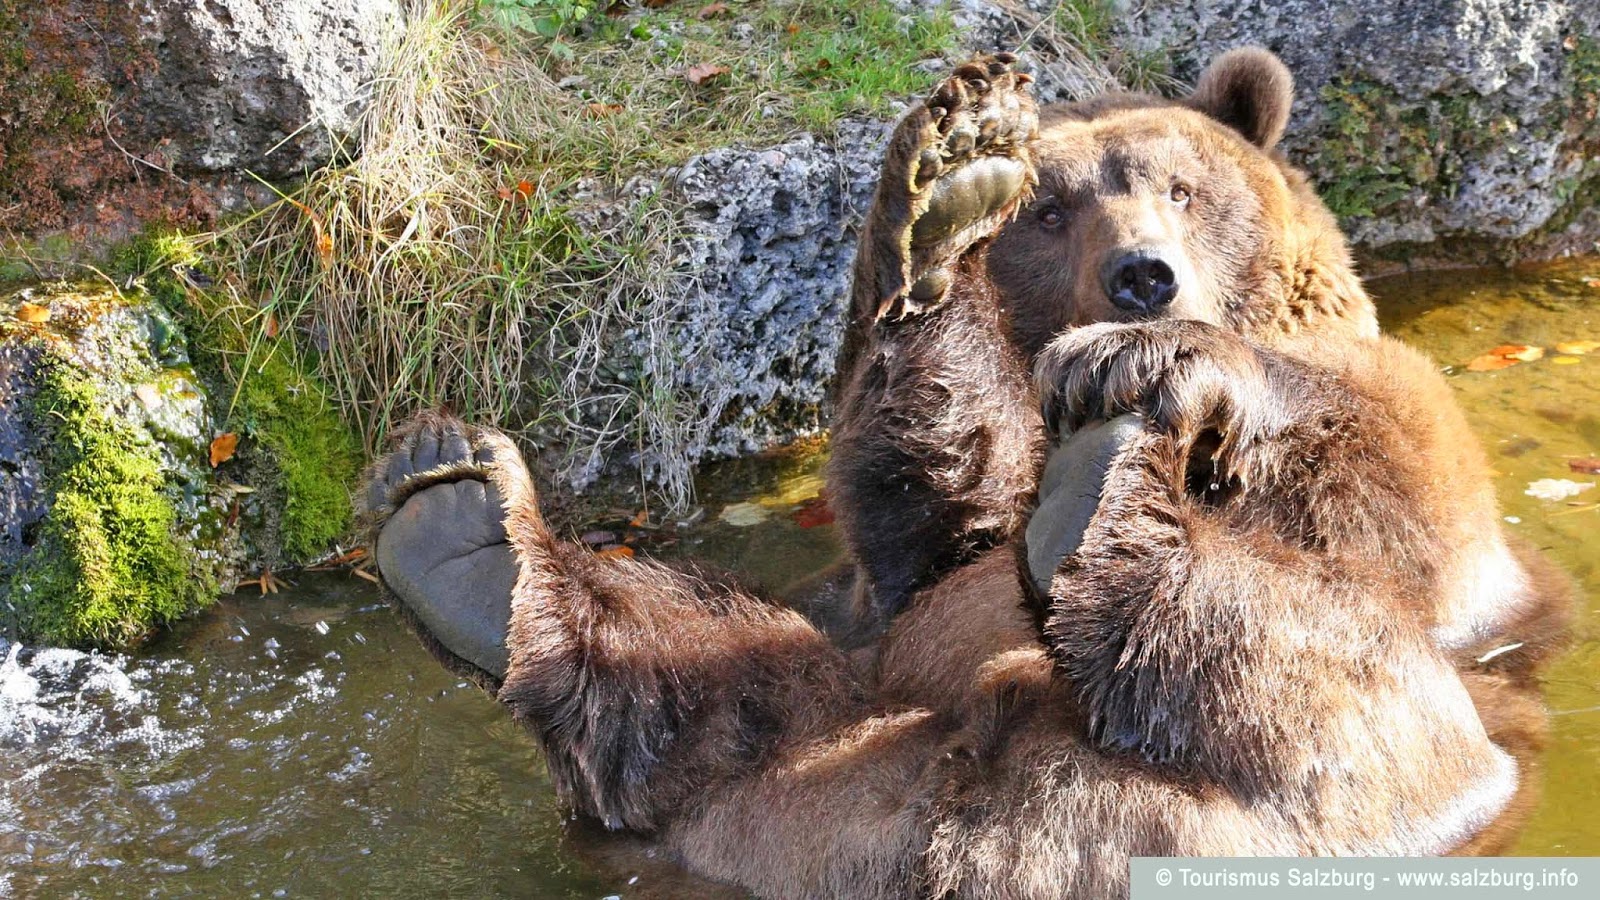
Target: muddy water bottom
{"type": "Point", "coordinates": [305, 745]}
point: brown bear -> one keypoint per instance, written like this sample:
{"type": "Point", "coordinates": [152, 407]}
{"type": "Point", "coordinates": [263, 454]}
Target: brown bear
{"type": "Point", "coordinates": [1151, 256]}
{"type": "Point", "coordinates": [1228, 629]}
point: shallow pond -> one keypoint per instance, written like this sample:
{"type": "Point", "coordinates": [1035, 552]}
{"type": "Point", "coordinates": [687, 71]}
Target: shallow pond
{"type": "Point", "coordinates": [304, 744]}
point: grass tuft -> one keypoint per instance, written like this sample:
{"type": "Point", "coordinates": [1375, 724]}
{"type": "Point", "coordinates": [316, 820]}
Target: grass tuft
{"type": "Point", "coordinates": [485, 251]}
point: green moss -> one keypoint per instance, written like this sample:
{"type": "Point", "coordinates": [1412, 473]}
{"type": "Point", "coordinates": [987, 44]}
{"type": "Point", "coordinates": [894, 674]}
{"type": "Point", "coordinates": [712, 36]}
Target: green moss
{"type": "Point", "coordinates": [1379, 151]}
{"type": "Point", "coordinates": [105, 568]}
{"type": "Point", "coordinates": [292, 437]}
{"type": "Point", "coordinates": [315, 453]}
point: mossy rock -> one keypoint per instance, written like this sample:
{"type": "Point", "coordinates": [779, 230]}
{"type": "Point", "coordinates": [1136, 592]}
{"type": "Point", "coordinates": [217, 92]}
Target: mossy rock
{"type": "Point", "coordinates": [299, 456]}
{"type": "Point", "coordinates": [113, 526]}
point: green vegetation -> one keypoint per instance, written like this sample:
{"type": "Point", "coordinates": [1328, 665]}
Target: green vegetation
{"type": "Point", "coordinates": [481, 252]}
{"type": "Point", "coordinates": [546, 18]}
{"type": "Point", "coordinates": [105, 568]}
{"type": "Point", "coordinates": [294, 444]}
{"type": "Point", "coordinates": [1083, 31]}
{"type": "Point", "coordinates": [1379, 150]}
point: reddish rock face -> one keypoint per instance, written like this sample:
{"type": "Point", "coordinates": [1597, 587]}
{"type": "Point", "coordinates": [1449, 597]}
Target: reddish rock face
{"type": "Point", "coordinates": [115, 114]}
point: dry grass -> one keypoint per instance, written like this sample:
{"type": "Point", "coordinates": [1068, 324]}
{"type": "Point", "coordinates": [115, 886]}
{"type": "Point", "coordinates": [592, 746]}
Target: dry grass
{"type": "Point", "coordinates": [486, 250]}
{"type": "Point", "coordinates": [443, 267]}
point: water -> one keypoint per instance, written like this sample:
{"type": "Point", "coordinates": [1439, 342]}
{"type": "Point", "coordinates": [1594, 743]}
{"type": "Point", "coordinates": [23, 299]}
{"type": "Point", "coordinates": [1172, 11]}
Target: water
{"type": "Point", "coordinates": [304, 745]}
{"type": "Point", "coordinates": [1532, 418]}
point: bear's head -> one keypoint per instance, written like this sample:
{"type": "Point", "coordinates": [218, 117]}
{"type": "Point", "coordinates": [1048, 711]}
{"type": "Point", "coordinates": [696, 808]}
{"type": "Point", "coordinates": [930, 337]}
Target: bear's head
{"type": "Point", "coordinates": [1149, 208]}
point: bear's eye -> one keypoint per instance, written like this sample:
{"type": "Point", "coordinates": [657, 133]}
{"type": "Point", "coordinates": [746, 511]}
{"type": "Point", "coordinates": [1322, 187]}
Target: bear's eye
{"type": "Point", "coordinates": [1050, 216]}
{"type": "Point", "coordinates": [1180, 194]}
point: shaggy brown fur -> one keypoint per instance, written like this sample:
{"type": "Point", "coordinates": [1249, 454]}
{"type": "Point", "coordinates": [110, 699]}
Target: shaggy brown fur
{"type": "Point", "coordinates": [1264, 364]}
{"type": "Point", "coordinates": [1267, 701]}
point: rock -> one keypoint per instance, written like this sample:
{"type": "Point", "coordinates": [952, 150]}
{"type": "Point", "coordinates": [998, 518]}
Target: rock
{"type": "Point", "coordinates": [21, 500]}
{"type": "Point", "coordinates": [1468, 122]}
{"type": "Point", "coordinates": [770, 237]}
{"type": "Point", "coordinates": [266, 86]}
{"type": "Point", "coordinates": [113, 113]}
{"type": "Point", "coordinates": [151, 426]}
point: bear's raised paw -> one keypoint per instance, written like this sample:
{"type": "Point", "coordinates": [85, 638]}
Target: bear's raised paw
{"type": "Point", "coordinates": [953, 173]}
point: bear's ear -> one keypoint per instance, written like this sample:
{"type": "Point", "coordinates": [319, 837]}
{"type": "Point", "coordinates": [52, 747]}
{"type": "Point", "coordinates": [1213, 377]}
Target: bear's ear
{"type": "Point", "coordinates": [1250, 91]}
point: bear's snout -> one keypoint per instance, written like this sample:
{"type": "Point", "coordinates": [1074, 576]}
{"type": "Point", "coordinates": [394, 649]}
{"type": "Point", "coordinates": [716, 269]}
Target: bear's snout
{"type": "Point", "coordinates": [1140, 281]}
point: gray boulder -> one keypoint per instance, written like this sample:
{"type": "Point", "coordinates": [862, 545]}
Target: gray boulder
{"type": "Point", "coordinates": [261, 85]}
{"type": "Point", "coordinates": [112, 114]}
{"type": "Point", "coordinates": [1463, 121]}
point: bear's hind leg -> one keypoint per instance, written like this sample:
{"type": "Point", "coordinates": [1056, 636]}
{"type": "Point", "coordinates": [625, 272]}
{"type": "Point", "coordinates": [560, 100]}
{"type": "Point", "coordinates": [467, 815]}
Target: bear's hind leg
{"type": "Point", "coordinates": [645, 683]}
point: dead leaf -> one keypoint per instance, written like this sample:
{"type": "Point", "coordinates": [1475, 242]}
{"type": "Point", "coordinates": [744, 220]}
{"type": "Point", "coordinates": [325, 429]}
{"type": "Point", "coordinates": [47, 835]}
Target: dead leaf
{"type": "Point", "coordinates": [712, 9]}
{"type": "Point", "coordinates": [223, 446]}
{"type": "Point", "coordinates": [1577, 348]}
{"type": "Point", "coordinates": [812, 513]}
{"type": "Point", "coordinates": [1565, 361]}
{"type": "Point", "coordinates": [700, 73]}
{"type": "Point", "coordinates": [1588, 465]}
{"type": "Point", "coordinates": [601, 110]}
{"type": "Point", "coordinates": [33, 313]}
{"type": "Point", "coordinates": [271, 325]}
{"type": "Point", "coordinates": [1519, 352]}
{"type": "Point", "coordinates": [504, 193]}
{"type": "Point", "coordinates": [616, 552]}
{"type": "Point", "coordinates": [1490, 362]}
{"type": "Point", "coordinates": [324, 244]}
{"type": "Point", "coordinates": [744, 515]}
{"type": "Point", "coordinates": [1592, 282]}
{"type": "Point", "coordinates": [641, 519]}
{"type": "Point", "coordinates": [525, 188]}
{"type": "Point", "coordinates": [792, 28]}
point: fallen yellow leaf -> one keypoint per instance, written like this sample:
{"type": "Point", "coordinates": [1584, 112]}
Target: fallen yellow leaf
{"type": "Point", "coordinates": [1577, 348]}
{"type": "Point", "coordinates": [1565, 361]}
{"type": "Point", "coordinates": [223, 447]}
{"type": "Point", "coordinates": [33, 313]}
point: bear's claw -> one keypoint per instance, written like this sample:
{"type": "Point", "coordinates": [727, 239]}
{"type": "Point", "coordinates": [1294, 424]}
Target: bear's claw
{"type": "Point", "coordinates": [962, 160]}
{"type": "Point", "coordinates": [1185, 378]}
{"type": "Point", "coordinates": [437, 526]}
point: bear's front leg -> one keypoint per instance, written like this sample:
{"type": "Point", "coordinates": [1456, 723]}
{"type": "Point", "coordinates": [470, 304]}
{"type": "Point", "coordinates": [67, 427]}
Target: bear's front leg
{"type": "Point", "coordinates": [956, 167]}
{"type": "Point", "coordinates": [1231, 407]}
{"type": "Point", "coordinates": [934, 431]}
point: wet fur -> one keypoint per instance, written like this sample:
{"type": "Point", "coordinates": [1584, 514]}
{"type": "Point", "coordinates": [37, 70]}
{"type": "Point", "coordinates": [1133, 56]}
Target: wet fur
{"type": "Point", "coordinates": [676, 703]}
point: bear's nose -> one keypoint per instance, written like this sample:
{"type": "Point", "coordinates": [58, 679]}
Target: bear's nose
{"type": "Point", "coordinates": [1140, 282]}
